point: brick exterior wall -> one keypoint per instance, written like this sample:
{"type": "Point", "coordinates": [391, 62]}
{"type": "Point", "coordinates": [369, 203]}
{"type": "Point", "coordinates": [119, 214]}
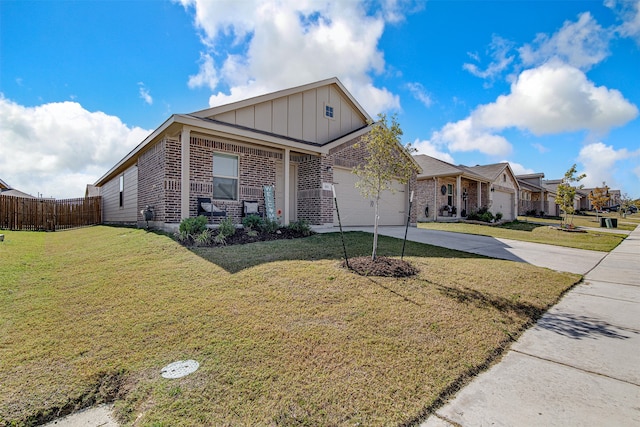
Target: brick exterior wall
{"type": "Point", "coordinates": [257, 167]}
{"type": "Point", "coordinates": [160, 177]}
{"type": "Point", "coordinates": [151, 175]}
{"type": "Point", "coordinates": [429, 195]}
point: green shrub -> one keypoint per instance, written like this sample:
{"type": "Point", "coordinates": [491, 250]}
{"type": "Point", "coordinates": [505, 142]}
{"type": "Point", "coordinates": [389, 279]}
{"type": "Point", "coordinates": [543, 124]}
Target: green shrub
{"type": "Point", "coordinates": [301, 226]}
{"type": "Point", "coordinates": [193, 226]}
{"type": "Point", "coordinates": [227, 228]}
{"type": "Point", "coordinates": [203, 238]}
{"type": "Point", "coordinates": [270, 226]}
{"type": "Point", "coordinates": [253, 222]}
{"type": "Point", "coordinates": [486, 217]}
{"type": "Point", "coordinates": [498, 216]}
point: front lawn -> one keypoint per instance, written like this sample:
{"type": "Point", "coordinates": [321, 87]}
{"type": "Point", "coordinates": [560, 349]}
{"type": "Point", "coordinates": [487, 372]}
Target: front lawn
{"type": "Point", "coordinates": [590, 219]}
{"type": "Point", "coordinates": [534, 232]}
{"type": "Point", "coordinates": [283, 334]}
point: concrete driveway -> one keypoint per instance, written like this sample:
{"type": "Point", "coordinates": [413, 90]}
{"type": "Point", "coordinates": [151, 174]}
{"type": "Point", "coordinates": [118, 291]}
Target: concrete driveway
{"type": "Point", "coordinates": [554, 257]}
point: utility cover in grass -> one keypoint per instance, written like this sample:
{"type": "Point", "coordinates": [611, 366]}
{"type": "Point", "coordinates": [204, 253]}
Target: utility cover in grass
{"type": "Point", "coordinates": [381, 266]}
{"type": "Point", "coordinates": [179, 369]}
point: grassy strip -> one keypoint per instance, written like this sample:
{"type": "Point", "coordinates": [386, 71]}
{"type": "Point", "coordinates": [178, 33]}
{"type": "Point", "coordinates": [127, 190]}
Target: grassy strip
{"type": "Point", "coordinates": [536, 233]}
{"type": "Point", "coordinates": [284, 335]}
{"type": "Point", "coordinates": [589, 219]}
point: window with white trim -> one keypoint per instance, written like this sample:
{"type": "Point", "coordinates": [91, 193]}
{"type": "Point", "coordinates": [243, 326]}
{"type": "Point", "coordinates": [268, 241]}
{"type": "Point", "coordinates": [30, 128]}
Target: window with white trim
{"type": "Point", "coordinates": [225, 176]}
{"type": "Point", "coordinates": [121, 190]}
{"type": "Point", "coordinates": [450, 194]}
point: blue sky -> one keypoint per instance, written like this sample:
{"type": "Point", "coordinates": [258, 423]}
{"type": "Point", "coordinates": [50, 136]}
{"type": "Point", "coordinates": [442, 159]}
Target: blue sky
{"type": "Point", "coordinates": [541, 84]}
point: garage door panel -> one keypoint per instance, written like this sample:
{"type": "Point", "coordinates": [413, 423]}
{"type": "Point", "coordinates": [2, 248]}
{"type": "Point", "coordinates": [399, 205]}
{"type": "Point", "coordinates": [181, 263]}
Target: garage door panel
{"type": "Point", "coordinates": [358, 210]}
{"type": "Point", "coordinates": [502, 202]}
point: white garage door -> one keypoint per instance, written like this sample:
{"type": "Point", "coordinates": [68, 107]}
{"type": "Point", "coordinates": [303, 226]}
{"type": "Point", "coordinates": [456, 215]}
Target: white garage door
{"type": "Point", "coordinates": [356, 210]}
{"type": "Point", "coordinates": [503, 202]}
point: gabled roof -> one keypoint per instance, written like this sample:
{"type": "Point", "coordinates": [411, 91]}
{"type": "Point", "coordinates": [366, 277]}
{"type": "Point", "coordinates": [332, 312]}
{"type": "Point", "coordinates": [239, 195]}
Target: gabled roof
{"type": "Point", "coordinates": [214, 121]}
{"type": "Point", "coordinates": [4, 185]}
{"type": "Point", "coordinates": [529, 186]}
{"type": "Point", "coordinates": [491, 172]}
{"type": "Point", "coordinates": [214, 111]}
{"type": "Point", "coordinates": [432, 167]}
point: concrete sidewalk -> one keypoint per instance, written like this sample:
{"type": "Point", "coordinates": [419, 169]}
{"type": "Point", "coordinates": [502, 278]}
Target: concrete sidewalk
{"type": "Point", "coordinates": [579, 365]}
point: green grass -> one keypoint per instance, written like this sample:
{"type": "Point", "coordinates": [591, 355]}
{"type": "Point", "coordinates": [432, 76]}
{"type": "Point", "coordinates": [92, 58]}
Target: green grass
{"type": "Point", "coordinates": [589, 219]}
{"type": "Point", "coordinates": [283, 334]}
{"type": "Point", "coordinates": [535, 231]}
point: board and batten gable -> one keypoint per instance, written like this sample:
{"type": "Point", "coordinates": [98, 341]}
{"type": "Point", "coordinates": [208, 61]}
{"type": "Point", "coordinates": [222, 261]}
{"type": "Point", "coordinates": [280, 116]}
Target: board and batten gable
{"type": "Point", "coordinates": [300, 116]}
{"type": "Point", "coordinates": [112, 212]}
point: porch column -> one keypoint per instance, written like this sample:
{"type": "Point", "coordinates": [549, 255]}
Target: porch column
{"type": "Point", "coordinates": [479, 185]}
{"type": "Point", "coordinates": [185, 186]}
{"type": "Point", "coordinates": [287, 154]}
{"type": "Point", "coordinates": [458, 196]}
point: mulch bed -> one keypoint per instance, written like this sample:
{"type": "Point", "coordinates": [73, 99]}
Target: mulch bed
{"type": "Point", "coordinates": [242, 237]}
{"type": "Point", "coordinates": [381, 266]}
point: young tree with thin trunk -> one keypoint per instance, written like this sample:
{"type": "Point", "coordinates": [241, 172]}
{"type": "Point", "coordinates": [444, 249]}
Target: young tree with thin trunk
{"type": "Point", "coordinates": [387, 160]}
{"type": "Point", "coordinates": [599, 197]}
{"type": "Point", "coordinates": [566, 193]}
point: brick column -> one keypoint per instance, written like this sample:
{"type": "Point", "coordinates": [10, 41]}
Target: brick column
{"type": "Point", "coordinates": [287, 158]}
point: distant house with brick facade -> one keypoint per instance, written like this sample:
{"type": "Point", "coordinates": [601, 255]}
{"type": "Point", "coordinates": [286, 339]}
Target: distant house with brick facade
{"type": "Point", "coordinates": [298, 141]}
{"type": "Point", "coordinates": [445, 190]}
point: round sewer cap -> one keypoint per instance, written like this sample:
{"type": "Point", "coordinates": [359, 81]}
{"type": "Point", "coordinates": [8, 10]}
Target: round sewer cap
{"type": "Point", "coordinates": [179, 369]}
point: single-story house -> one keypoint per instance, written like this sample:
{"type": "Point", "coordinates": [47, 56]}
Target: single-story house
{"type": "Point", "coordinates": [7, 190]}
{"type": "Point", "coordinates": [552, 186]}
{"type": "Point", "coordinates": [446, 190]}
{"type": "Point", "coordinates": [534, 197]}
{"type": "Point", "coordinates": [283, 150]}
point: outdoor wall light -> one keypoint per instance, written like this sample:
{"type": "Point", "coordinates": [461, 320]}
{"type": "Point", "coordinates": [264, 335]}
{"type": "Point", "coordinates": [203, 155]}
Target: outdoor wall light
{"type": "Point", "coordinates": [493, 189]}
{"type": "Point", "coordinates": [329, 168]}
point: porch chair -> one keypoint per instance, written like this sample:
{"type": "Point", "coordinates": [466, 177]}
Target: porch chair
{"type": "Point", "coordinates": [251, 208]}
{"type": "Point", "coordinates": [206, 208]}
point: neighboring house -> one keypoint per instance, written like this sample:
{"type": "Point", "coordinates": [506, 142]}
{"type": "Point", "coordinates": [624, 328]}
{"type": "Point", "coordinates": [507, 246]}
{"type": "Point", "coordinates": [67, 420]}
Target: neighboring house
{"type": "Point", "coordinates": [585, 202]}
{"type": "Point", "coordinates": [298, 140]}
{"type": "Point", "coordinates": [504, 190]}
{"type": "Point", "coordinates": [534, 196]}
{"type": "Point", "coordinates": [6, 190]}
{"type": "Point", "coordinates": [552, 186]}
{"type": "Point", "coordinates": [446, 190]}
{"type": "Point", "coordinates": [92, 191]}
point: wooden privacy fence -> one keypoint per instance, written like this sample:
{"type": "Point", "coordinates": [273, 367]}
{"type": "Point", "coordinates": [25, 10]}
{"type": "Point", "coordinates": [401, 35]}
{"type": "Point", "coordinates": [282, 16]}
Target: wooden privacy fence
{"type": "Point", "coordinates": [19, 213]}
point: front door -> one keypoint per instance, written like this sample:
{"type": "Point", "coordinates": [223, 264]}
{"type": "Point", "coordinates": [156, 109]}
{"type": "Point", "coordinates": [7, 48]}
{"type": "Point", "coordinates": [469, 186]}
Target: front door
{"type": "Point", "coordinates": [293, 191]}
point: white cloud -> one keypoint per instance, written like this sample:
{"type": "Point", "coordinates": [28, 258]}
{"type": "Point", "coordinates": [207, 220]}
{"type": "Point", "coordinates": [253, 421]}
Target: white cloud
{"type": "Point", "coordinates": [418, 91]}
{"type": "Point", "coordinates": [599, 162]}
{"type": "Point", "coordinates": [290, 42]}
{"type": "Point", "coordinates": [629, 11]}
{"type": "Point", "coordinates": [431, 149]}
{"type": "Point", "coordinates": [581, 44]}
{"type": "Point", "coordinates": [469, 135]}
{"type": "Point", "coordinates": [207, 74]}
{"type": "Point", "coordinates": [555, 98]}
{"type": "Point", "coordinates": [57, 148]}
{"type": "Point", "coordinates": [144, 94]}
{"type": "Point", "coordinates": [499, 51]}
{"type": "Point", "coordinates": [519, 169]}
{"type": "Point", "coordinates": [541, 148]}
